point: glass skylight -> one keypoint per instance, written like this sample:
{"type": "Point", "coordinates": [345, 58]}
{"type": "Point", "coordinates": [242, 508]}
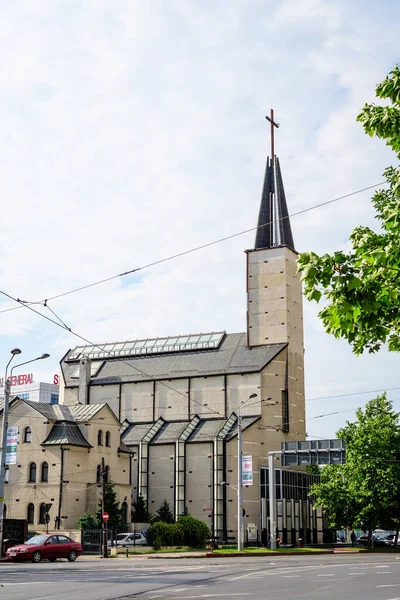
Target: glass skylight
{"type": "Point", "coordinates": [181, 343]}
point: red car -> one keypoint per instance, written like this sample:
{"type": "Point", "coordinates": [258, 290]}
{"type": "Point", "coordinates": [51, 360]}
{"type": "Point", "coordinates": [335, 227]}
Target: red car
{"type": "Point", "coordinates": [45, 546]}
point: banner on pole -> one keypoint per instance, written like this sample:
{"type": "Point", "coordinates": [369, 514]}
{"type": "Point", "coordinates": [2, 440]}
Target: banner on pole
{"type": "Point", "coordinates": [11, 445]}
{"type": "Point", "coordinates": [247, 470]}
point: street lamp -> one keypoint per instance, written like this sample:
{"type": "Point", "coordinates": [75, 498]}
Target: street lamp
{"type": "Point", "coordinates": [4, 428]}
{"type": "Point", "coordinates": [240, 476]}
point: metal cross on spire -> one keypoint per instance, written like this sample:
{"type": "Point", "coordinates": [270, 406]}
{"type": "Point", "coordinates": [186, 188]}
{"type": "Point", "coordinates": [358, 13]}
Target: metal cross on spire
{"type": "Point", "coordinates": [273, 124]}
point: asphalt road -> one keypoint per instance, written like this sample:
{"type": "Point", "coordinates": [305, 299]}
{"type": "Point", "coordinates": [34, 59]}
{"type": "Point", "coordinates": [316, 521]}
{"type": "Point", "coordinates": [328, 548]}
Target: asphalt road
{"type": "Point", "coordinates": [375, 577]}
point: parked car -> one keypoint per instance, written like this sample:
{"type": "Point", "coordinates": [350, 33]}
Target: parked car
{"type": "Point", "coordinates": [131, 539]}
{"type": "Point", "coordinates": [45, 546]}
{"type": "Point", "coordinates": [363, 541]}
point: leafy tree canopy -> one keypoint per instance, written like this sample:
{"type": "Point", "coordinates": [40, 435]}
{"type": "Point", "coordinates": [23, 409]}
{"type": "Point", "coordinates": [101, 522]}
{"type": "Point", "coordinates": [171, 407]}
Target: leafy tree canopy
{"type": "Point", "coordinates": [87, 521]}
{"type": "Point", "coordinates": [361, 287]}
{"type": "Point", "coordinates": [364, 492]}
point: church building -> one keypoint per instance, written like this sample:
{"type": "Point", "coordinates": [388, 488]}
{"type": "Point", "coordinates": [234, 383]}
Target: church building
{"type": "Point", "coordinates": [179, 398]}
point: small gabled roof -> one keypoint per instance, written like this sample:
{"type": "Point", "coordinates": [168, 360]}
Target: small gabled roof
{"type": "Point", "coordinates": [66, 433]}
{"type": "Point", "coordinates": [123, 448]}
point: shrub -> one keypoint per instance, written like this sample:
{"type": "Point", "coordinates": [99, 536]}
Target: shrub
{"type": "Point", "coordinates": [195, 532]}
{"type": "Point", "coordinates": [165, 534]}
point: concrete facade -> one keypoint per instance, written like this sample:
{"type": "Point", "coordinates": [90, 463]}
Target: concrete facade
{"type": "Point", "coordinates": [179, 403]}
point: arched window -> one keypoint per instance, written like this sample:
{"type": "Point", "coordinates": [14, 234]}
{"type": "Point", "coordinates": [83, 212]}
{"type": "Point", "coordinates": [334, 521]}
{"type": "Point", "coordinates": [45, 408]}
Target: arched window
{"type": "Point", "coordinates": [42, 513]}
{"type": "Point", "coordinates": [100, 438]}
{"type": "Point", "coordinates": [45, 472]}
{"type": "Point", "coordinates": [124, 512]}
{"type": "Point", "coordinates": [107, 474]}
{"type": "Point", "coordinates": [98, 474]}
{"type": "Point", "coordinates": [32, 473]}
{"type": "Point", "coordinates": [5, 511]}
{"type": "Point", "coordinates": [30, 513]}
{"type": "Point", "coordinates": [27, 435]}
{"type": "Point", "coordinates": [108, 439]}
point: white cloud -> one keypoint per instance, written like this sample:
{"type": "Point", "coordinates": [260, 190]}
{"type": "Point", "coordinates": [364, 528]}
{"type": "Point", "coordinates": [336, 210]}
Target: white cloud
{"type": "Point", "coordinates": [134, 131]}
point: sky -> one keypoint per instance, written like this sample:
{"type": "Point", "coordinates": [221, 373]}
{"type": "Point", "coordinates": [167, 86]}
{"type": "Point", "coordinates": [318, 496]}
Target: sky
{"type": "Point", "coordinates": [133, 131]}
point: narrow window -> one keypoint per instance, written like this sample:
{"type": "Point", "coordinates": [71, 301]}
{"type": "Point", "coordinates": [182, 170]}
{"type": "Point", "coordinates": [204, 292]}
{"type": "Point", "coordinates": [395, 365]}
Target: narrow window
{"type": "Point", "coordinates": [45, 472]}
{"type": "Point", "coordinates": [108, 439]}
{"type": "Point", "coordinates": [32, 473]}
{"type": "Point", "coordinates": [285, 410]}
{"type": "Point", "coordinates": [5, 511]}
{"type": "Point", "coordinates": [100, 438]}
{"type": "Point", "coordinates": [6, 475]}
{"type": "Point", "coordinates": [124, 512]}
{"type": "Point", "coordinates": [42, 513]}
{"type": "Point", "coordinates": [107, 474]}
{"type": "Point", "coordinates": [27, 435]}
{"type": "Point", "coordinates": [30, 514]}
{"type": "Point", "coordinates": [98, 474]}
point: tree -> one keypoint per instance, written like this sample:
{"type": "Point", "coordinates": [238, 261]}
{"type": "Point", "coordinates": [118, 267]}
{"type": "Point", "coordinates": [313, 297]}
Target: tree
{"type": "Point", "coordinates": [361, 287]}
{"type": "Point", "coordinates": [87, 521]}
{"type": "Point", "coordinates": [111, 505]}
{"type": "Point", "coordinates": [140, 514]}
{"type": "Point", "coordinates": [364, 491]}
{"type": "Point", "coordinates": [164, 513]}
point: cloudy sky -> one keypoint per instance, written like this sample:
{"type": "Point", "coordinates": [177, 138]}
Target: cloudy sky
{"type": "Point", "coordinates": [133, 131]}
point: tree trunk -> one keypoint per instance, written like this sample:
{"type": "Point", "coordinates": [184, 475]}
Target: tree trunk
{"type": "Point", "coordinates": [397, 534]}
{"type": "Point", "coordinates": [370, 543]}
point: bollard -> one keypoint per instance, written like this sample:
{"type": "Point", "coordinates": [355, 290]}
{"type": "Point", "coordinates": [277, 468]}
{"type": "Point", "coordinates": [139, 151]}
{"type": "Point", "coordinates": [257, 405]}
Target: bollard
{"type": "Point", "coordinates": [126, 552]}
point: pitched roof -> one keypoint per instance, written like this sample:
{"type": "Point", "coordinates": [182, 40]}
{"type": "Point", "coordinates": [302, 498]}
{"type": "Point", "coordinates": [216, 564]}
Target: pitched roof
{"type": "Point", "coordinates": [205, 431]}
{"type": "Point", "coordinates": [66, 433]}
{"type": "Point", "coordinates": [273, 220]}
{"type": "Point", "coordinates": [232, 356]}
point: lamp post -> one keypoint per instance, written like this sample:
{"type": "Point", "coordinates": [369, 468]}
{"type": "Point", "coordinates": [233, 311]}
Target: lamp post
{"type": "Point", "coordinates": [240, 476]}
{"type": "Point", "coordinates": [4, 428]}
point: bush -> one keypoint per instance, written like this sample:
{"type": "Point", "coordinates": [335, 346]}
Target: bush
{"type": "Point", "coordinates": [165, 534]}
{"type": "Point", "coordinates": [195, 532]}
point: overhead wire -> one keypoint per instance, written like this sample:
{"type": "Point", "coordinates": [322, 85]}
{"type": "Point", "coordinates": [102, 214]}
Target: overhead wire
{"type": "Point", "coordinates": [190, 250]}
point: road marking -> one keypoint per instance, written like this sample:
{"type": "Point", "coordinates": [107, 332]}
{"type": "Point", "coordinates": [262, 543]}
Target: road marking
{"type": "Point", "coordinates": [354, 573]}
{"type": "Point", "coordinates": [214, 596]}
{"type": "Point", "coordinates": [290, 576]}
{"type": "Point", "coordinates": [388, 585]}
{"type": "Point", "coordinates": [326, 575]}
{"type": "Point", "coordinates": [382, 572]}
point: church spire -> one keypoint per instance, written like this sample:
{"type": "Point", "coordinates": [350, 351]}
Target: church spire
{"type": "Point", "coordinates": [274, 228]}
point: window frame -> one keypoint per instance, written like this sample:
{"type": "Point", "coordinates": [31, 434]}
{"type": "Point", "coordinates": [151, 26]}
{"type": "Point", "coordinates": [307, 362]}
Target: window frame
{"type": "Point", "coordinates": [44, 467]}
{"type": "Point", "coordinates": [30, 513]}
{"type": "Point", "coordinates": [32, 469]}
{"type": "Point", "coordinates": [27, 434]}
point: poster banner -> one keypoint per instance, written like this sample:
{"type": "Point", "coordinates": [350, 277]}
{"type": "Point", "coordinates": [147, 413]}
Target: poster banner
{"type": "Point", "coordinates": [247, 470]}
{"type": "Point", "coordinates": [11, 445]}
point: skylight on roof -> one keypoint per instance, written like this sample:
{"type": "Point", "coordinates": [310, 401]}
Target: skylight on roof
{"type": "Point", "coordinates": [182, 343]}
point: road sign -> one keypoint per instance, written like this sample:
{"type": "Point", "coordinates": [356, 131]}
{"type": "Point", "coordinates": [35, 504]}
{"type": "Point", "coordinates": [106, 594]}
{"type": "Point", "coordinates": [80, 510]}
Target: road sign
{"type": "Point", "coordinates": [315, 452]}
{"type": "Point", "coordinates": [105, 516]}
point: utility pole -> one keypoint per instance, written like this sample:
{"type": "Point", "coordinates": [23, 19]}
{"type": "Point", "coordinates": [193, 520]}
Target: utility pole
{"type": "Point", "coordinates": [104, 529]}
{"type": "Point", "coordinates": [240, 484]}
{"type": "Point", "coordinates": [272, 498]}
{"type": "Point", "coordinates": [4, 427]}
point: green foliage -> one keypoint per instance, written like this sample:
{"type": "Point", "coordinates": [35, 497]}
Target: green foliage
{"type": "Point", "coordinates": [360, 288]}
{"type": "Point", "coordinates": [195, 532]}
{"type": "Point", "coordinates": [165, 534]}
{"type": "Point", "coordinates": [164, 513]}
{"type": "Point", "coordinates": [313, 469]}
{"type": "Point", "coordinates": [140, 514]}
{"type": "Point", "coordinates": [364, 492]}
{"type": "Point", "coordinates": [111, 505]}
{"type": "Point", "coordinates": [87, 521]}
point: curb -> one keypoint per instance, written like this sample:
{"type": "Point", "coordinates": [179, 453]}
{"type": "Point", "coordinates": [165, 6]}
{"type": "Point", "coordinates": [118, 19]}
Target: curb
{"type": "Point", "coordinates": [266, 554]}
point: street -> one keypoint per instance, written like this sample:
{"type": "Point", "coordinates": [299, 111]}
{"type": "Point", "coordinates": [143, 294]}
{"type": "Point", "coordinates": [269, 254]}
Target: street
{"type": "Point", "coordinates": [376, 577]}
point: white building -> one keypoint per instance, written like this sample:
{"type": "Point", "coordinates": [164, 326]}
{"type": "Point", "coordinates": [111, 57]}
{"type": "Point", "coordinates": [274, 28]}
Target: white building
{"type": "Point", "coordinates": [25, 387]}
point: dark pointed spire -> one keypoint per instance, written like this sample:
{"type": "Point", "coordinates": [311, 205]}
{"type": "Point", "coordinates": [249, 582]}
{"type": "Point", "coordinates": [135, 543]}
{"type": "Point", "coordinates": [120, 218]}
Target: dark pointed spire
{"type": "Point", "coordinates": [273, 220]}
